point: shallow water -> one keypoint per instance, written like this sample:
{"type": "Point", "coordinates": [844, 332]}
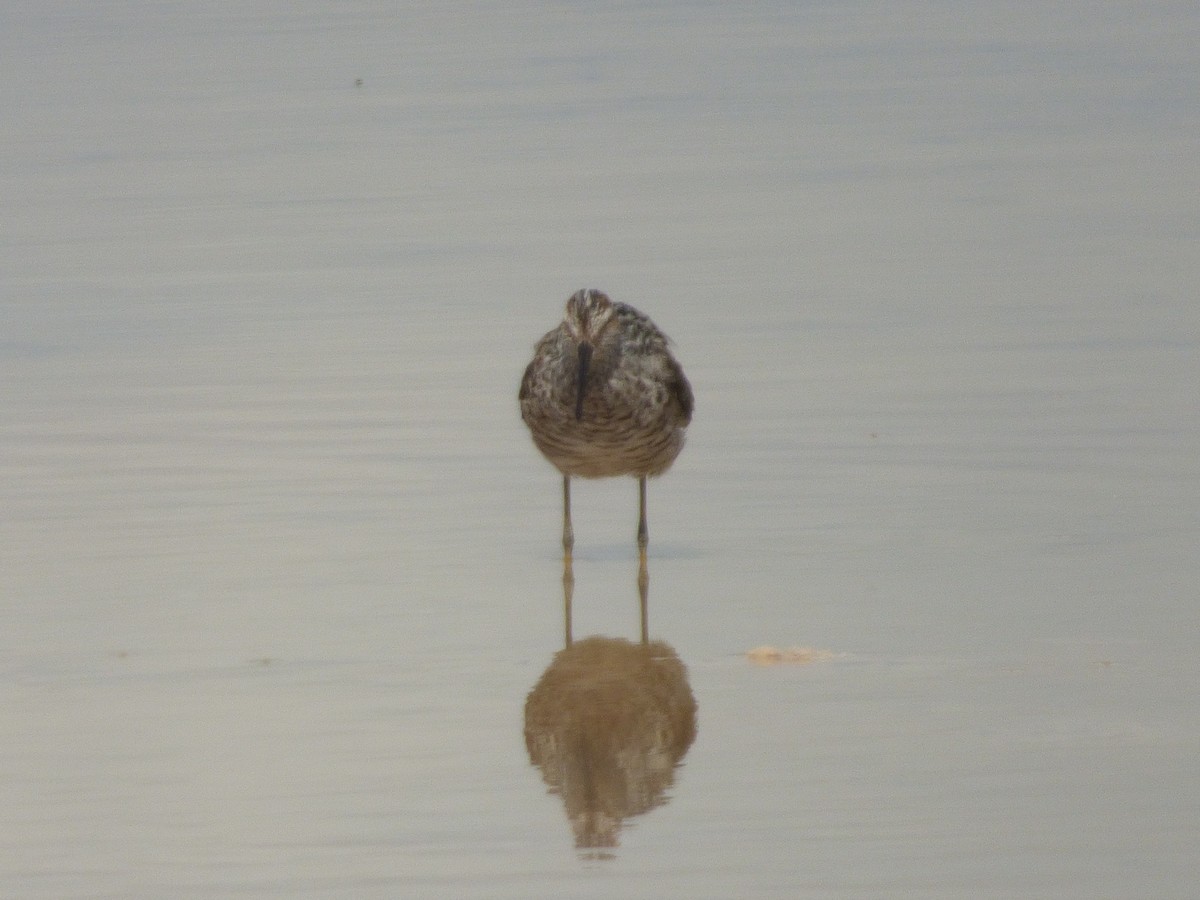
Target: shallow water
{"type": "Point", "coordinates": [279, 565]}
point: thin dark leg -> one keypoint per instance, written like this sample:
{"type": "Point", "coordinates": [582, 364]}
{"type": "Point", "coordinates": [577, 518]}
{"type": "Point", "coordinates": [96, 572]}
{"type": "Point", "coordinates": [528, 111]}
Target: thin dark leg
{"type": "Point", "coordinates": [643, 537]}
{"type": "Point", "coordinates": [568, 532]}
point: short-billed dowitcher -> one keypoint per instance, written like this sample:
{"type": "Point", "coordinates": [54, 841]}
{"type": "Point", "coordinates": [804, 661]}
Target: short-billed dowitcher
{"type": "Point", "coordinates": [604, 396]}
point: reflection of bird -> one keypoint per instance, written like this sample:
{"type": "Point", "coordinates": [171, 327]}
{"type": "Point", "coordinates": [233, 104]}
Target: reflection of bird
{"type": "Point", "coordinates": [604, 396]}
{"type": "Point", "coordinates": [607, 723]}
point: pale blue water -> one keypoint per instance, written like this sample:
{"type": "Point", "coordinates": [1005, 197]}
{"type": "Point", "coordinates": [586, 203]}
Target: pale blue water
{"type": "Point", "coordinates": [278, 563]}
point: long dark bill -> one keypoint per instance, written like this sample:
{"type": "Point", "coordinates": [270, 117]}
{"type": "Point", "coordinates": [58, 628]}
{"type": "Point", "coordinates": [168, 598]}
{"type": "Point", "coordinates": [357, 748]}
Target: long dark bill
{"type": "Point", "coordinates": [585, 360]}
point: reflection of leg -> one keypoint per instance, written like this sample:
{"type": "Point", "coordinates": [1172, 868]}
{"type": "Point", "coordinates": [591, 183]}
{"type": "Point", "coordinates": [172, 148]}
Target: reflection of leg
{"type": "Point", "coordinates": [568, 593]}
{"type": "Point", "coordinates": [644, 595]}
{"type": "Point", "coordinates": [643, 533]}
{"type": "Point", "coordinates": [568, 532]}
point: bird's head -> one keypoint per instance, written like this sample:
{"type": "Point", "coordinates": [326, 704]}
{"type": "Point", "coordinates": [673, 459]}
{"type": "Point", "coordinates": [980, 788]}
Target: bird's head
{"type": "Point", "coordinates": [588, 314]}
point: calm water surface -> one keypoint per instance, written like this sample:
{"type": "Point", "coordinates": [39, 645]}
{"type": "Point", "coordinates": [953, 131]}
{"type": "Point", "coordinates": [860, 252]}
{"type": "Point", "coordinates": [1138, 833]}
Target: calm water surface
{"type": "Point", "coordinates": [279, 565]}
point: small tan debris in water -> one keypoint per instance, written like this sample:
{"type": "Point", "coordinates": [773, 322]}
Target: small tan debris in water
{"type": "Point", "coordinates": [798, 656]}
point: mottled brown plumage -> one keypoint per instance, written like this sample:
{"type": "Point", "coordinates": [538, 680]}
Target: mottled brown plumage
{"type": "Point", "coordinates": [604, 396]}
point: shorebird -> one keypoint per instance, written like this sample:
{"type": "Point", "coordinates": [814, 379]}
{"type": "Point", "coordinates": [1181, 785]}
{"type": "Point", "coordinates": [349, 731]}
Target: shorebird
{"type": "Point", "coordinates": [603, 396]}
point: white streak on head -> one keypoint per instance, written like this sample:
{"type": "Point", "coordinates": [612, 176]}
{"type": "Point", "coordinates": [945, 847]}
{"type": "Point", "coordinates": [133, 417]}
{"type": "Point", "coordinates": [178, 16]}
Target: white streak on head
{"type": "Point", "coordinates": [588, 312]}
